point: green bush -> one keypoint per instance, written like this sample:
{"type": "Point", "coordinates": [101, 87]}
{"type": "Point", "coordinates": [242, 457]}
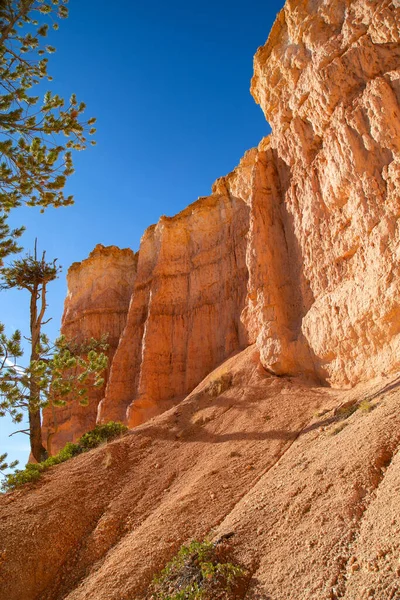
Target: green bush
{"type": "Point", "coordinates": [100, 434]}
{"type": "Point", "coordinates": [31, 472]}
{"type": "Point", "coordinates": [89, 440]}
{"type": "Point", "coordinates": [200, 571]}
{"type": "Point", "coordinates": [365, 406]}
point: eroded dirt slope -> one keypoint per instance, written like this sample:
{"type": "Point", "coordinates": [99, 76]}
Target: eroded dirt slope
{"type": "Point", "coordinates": [312, 500]}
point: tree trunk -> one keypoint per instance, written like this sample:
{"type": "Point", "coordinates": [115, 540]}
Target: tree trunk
{"type": "Point", "coordinates": [35, 435]}
{"type": "Point", "coordinates": [35, 422]}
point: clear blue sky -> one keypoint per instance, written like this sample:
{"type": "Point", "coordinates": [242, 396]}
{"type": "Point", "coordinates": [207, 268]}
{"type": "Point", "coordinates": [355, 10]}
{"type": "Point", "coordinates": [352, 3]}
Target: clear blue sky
{"type": "Point", "coordinates": [169, 85]}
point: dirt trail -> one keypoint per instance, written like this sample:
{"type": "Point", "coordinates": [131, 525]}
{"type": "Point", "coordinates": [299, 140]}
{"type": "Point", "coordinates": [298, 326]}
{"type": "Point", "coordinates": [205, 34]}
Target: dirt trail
{"type": "Point", "coordinates": [309, 509]}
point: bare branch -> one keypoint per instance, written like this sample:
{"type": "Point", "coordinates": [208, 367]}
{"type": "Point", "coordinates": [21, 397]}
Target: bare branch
{"type": "Point", "coordinates": [26, 431]}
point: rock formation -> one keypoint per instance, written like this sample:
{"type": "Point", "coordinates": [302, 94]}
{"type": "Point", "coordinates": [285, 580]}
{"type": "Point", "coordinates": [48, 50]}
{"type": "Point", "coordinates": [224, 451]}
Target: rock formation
{"type": "Point", "coordinates": [99, 292]}
{"type": "Point", "coordinates": [184, 316]}
{"type": "Point", "coordinates": [298, 248]}
{"type": "Point", "coordinates": [328, 81]}
{"type": "Point", "coordinates": [295, 258]}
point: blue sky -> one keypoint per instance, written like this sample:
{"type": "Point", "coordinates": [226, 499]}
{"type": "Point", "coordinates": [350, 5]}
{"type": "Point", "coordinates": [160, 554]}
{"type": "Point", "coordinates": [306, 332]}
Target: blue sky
{"type": "Point", "coordinates": [169, 85]}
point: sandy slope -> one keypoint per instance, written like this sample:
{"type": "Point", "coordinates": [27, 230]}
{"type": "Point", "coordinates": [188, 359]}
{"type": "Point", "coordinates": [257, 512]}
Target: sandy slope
{"type": "Point", "coordinates": [315, 515]}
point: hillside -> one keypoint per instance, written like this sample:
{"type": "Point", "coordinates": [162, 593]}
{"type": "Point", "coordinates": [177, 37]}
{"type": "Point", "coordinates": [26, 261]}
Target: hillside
{"type": "Point", "coordinates": [314, 507]}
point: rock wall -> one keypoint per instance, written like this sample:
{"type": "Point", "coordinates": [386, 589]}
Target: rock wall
{"type": "Point", "coordinates": [328, 81]}
{"type": "Point", "coordinates": [99, 292]}
{"type": "Point", "coordinates": [184, 318]}
{"type": "Point", "coordinates": [298, 248]}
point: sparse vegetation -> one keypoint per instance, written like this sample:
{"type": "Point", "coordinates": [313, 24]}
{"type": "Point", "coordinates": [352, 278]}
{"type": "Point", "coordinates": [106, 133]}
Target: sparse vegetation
{"type": "Point", "coordinates": [200, 571]}
{"type": "Point", "coordinates": [320, 413]}
{"type": "Point", "coordinates": [346, 411]}
{"type": "Point", "coordinates": [100, 434]}
{"type": "Point", "coordinates": [339, 428]}
{"type": "Point", "coordinates": [365, 406]}
{"type": "Point", "coordinates": [220, 384]}
{"type": "Point", "coordinates": [32, 472]}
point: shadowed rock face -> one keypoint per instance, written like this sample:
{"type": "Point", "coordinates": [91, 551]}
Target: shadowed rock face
{"type": "Point", "coordinates": [296, 250]}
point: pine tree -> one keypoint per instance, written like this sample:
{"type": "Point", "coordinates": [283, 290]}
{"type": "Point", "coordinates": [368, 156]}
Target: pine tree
{"type": "Point", "coordinates": [36, 139]}
{"type": "Point", "coordinates": [55, 370]}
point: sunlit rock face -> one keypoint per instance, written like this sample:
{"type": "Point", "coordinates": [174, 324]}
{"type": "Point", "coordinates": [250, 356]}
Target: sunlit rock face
{"type": "Point", "coordinates": [328, 81]}
{"type": "Point", "coordinates": [297, 249]}
{"type": "Point", "coordinates": [99, 292]}
{"type": "Point", "coordinates": [184, 317]}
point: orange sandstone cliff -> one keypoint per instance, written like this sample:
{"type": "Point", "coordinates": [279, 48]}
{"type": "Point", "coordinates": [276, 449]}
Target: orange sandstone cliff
{"type": "Point", "coordinates": [263, 323]}
{"type": "Point", "coordinates": [328, 81]}
{"type": "Point", "coordinates": [296, 249]}
{"type": "Point", "coordinates": [184, 316]}
{"type": "Point", "coordinates": [99, 292]}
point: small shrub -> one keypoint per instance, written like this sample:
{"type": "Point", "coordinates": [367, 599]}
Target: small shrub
{"type": "Point", "coordinates": [220, 384]}
{"type": "Point", "coordinates": [339, 428]}
{"type": "Point", "coordinates": [32, 472]}
{"type": "Point", "coordinates": [365, 406]}
{"type": "Point", "coordinates": [100, 434]}
{"type": "Point", "coordinates": [320, 413]}
{"type": "Point", "coordinates": [69, 451]}
{"type": "Point", "coordinates": [200, 571]}
{"type": "Point", "coordinates": [346, 411]}
{"type": "Point", "coordinates": [89, 440]}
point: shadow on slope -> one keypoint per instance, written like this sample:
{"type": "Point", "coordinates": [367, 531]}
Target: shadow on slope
{"type": "Point", "coordinates": [99, 526]}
